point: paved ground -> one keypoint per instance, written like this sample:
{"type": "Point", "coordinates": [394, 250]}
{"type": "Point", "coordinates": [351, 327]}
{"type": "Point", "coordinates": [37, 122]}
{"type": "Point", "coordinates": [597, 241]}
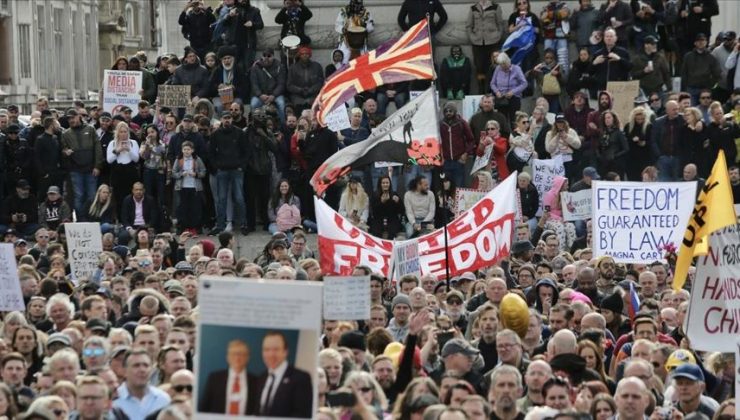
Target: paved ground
{"type": "Point", "coordinates": [251, 246]}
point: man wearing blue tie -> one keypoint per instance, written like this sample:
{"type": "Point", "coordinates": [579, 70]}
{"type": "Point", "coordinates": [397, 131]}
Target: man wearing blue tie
{"type": "Point", "coordinates": [232, 391]}
{"type": "Point", "coordinates": [285, 390]}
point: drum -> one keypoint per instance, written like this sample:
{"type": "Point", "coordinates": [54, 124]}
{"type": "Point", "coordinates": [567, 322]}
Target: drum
{"type": "Point", "coordinates": [355, 37]}
{"type": "Point", "coordinates": [226, 93]}
{"type": "Point", "coordinates": [290, 42]}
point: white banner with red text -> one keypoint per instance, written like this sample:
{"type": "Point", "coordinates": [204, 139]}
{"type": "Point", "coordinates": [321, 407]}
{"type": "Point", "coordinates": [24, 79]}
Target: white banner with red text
{"type": "Point", "coordinates": [477, 238]}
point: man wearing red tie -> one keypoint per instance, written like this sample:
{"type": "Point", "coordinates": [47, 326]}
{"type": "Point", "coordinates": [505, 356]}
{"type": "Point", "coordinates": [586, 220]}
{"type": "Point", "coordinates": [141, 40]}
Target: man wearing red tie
{"type": "Point", "coordinates": [285, 391]}
{"type": "Point", "coordinates": [232, 391]}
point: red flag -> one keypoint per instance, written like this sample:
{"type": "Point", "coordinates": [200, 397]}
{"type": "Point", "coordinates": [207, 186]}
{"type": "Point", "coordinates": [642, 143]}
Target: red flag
{"type": "Point", "coordinates": [407, 58]}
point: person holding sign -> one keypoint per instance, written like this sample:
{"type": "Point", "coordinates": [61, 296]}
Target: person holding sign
{"type": "Point", "coordinates": [566, 231]}
{"type": "Point", "coordinates": [492, 136]}
{"type": "Point", "coordinates": [122, 155]}
{"type": "Point", "coordinates": [227, 84]}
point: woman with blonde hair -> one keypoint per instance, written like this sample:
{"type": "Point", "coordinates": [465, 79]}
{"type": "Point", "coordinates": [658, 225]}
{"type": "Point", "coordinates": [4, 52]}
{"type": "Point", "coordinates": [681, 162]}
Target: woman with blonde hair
{"type": "Point", "coordinates": [562, 140]}
{"type": "Point", "coordinates": [695, 137]}
{"type": "Point", "coordinates": [369, 390]}
{"type": "Point", "coordinates": [355, 204]}
{"type": "Point", "coordinates": [122, 154]}
{"type": "Point", "coordinates": [521, 144]}
{"type": "Point", "coordinates": [48, 407]}
{"type": "Point", "coordinates": [331, 361]}
{"type": "Point", "coordinates": [100, 210]}
{"type": "Point", "coordinates": [640, 155]}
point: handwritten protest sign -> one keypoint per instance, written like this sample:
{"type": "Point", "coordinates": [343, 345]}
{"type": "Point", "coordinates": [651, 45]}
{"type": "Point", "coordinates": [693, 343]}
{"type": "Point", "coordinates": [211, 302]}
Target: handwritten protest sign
{"type": "Point", "coordinates": [85, 245]}
{"type": "Point", "coordinates": [576, 206]}
{"type": "Point", "coordinates": [11, 297]}
{"type": "Point", "coordinates": [633, 221]}
{"type": "Point", "coordinates": [714, 309]}
{"type": "Point", "coordinates": [256, 315]}
{"type": "Point", "coordinates": [465, 198]}
{"type": "Point", "coordinates": [346, 298]}
{"type": "Point", "coordinates": [406, 258]}
{"type": "Point", "coordinates": [121, 88]}
{"type": "Point", "coordinates": [470, 106]}
{"type": "Point", "coordinates": [482, 161]}
{"type": "Point", "coordinates": [174, 96]}
{"type": "Point", "coordinates": [338, 119]}
{"type": "Point", "coordinates": [544, 172]}
{"type": "Point", "coordinates": [623, 98]}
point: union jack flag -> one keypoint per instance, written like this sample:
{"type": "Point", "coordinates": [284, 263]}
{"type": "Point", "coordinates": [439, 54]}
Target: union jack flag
{"type": "Point", "coordinates": [407, 58]}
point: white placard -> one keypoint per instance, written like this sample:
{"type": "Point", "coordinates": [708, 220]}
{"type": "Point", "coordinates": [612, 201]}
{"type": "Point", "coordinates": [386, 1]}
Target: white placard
{"type": "Point", "coordinates": [406, 258]}
{"type": "Point", "coordinates": [265, 316]}
{"type": "Point", "coordinates": [576, 206]}
{"type": "Point", "coordinates": [85, 245]}
{"type": "Point", "coordinates": [121, 88]}
{"type": "Point", "coordinates": [544, 172]}
{"type": "Point", "coordinates": [470, 106]}
{"type": "Point", "coordinates": [482, 161]}
{"type": "Point", "coordinates": [338, 119]}
{"type": "Point", "coordinates": [465, 198]}
{"type": "Point", "coordinates": [346, 298]}
{"type": "Point", "coordinates": [11, 297]}
{"type": "Point", "coordinates": [711, 318]}
{"type": "Point", "coordinates": [634, 221]}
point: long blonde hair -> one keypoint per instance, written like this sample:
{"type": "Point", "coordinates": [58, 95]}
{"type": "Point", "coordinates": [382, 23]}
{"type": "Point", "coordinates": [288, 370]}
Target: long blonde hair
{"type": "Point", "coordinates": [633, 114]}
{"type": "Point", "coordinates": [357, 201]}
{"type": "Point", "coordinates": [96, 209]}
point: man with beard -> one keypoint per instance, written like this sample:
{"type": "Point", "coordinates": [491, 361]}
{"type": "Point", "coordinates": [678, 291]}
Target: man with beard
{"type": "Point", "coordinates": [486, 344]}
{"type": "Point", "coordinates": [735, 183]}
{"type": "Point", "coordinates": [225, 75]}
{"type": "Point", "coordinates": [261, 144]}
{"type": "Point", "coordinates": [455, 309]}
{"type": "Point", "coordinates": [537, 374]}
{"type": "Point", "coordinates": [587, 285]}
{"type": "Point", "coordinates": [661, 275]}
{"type": "Point", "coordinates": [457, 144]}
{"type": "Point", "coordinates": [486, 113]}
{"type": "Point", "coordinates": [420, 206]}
{"type": "Point", "coordinates": [228, 151]}
{"type": "Point", "coordinates": [506, 388]}
{"type": "Point", "coordinates": [510, 351]}
{"type": "Point", "coordinates": [605, 282]}
{"type": "Point", "coordinates": [384, 373]}
{"type": "Point", "coordinates": [592, 127]}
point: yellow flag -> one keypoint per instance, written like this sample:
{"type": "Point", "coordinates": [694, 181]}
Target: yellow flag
{"type": "Point", "coordinates": [713, 210]}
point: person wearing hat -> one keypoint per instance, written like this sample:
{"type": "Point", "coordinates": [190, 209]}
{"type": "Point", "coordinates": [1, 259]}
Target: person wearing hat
{"type": "Point", "coordinates": [398, 326]}
{"type": "Point", "coordinates": [355, 341]}
{"type": "Point", "coordinates": [700, 69]}
{"type": "Point", "coordinates": [268, 83]}
{"type": "Point", "coordinates": [458, 143]}
{"type": "Point", "coordinates": [191, 72]}
{"type": "Point", "coordinates": [83, 158]}
{"type": "Point", "coordinates": [19, 210]}
{"type": "Point", "coordinates": [722, 52]}
{"type": "Point", "coordinates": [690, 384]}
{"type": "Point", "coordinates": [48, 157]}
{"type": "Point", "coordinates": [459, 355]}
{"type": "Point", "coordinates": [293, 17]}
{"type": "Point", "coordinates": [228, 152]}
{"type": "Point", "coordinates": [650, 67]}
{"type": "Point", "coordinates": [54, 210]}
{"type": "Point", "coordinates": [196, 20]}
{"type": "Point", "coordinates": [304, 81]}
{"type": "Point", "coordinates": [226, 75]}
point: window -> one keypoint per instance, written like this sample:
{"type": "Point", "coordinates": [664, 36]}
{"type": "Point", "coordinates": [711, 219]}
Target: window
{"type": "Point", "coordinates": [58, 42]}
{"type": "Point", "coordinates": [79, 64]}
{"type": "Point", "coordinates": [41, 62]}
{"type": "Point", "coordinates": [130, 20]}
{"type": "Point", "coordinates": [4, 4]}
{"type": "Point", "coordinates": [24, 45]}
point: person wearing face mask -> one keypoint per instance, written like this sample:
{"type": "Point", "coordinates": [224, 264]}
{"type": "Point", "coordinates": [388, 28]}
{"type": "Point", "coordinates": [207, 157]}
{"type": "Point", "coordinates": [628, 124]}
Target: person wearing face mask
{"type": "Point", "coordinates": [454, 75]}
{"type": "Point", "coordinates": [227, 84]}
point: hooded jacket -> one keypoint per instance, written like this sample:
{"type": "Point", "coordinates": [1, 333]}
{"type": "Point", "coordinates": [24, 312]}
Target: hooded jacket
{"type": "Point", "coordinates": [545, 282]}
{"type": "Point", "coordinates": [456, 138]}
{"type": "Point", "coordinates": [550, 199]}
{"type": "Point", "coordinates": [700, 70]}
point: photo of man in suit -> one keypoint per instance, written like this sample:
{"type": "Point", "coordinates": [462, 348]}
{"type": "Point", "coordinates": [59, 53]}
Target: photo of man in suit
{"type": "Point", "coordinates": [284, 390]}
{"type": "Point", "coordinates": [232, 391]}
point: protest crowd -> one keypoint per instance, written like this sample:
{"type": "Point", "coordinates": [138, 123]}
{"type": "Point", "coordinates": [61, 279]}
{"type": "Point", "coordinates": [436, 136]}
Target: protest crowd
{"type": "Point", "coordinates": [547, 332]}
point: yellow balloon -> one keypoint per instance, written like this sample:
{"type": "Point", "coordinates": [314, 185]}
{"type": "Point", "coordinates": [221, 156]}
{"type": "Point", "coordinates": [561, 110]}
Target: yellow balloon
{"type": "Point", "coordinates": [514, 314]}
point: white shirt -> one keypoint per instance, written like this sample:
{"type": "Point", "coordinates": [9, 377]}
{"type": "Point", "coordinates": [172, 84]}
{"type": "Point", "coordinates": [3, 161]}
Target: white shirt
{"type": "Point", "coordinates": [273, 383]}
{"type": "Point", "coordinates": [242, 395]}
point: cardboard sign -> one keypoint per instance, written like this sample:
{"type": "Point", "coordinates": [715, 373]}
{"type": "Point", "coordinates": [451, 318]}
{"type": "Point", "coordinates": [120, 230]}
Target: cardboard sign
{"type": "Point", "coordinates": [623, 98]}
{"type": "Point", "coordinates": [338, 119]}
{"type": "Point", "coordinates": [482, 161]}
{"type": "Point", "coordinates": [544, 172]}
{"type": "Point", "coordinates": [121, 88]}
{"type": "Point", "coordinates": [11, 297]}
{"type": "Point", "coordinates": [576, 206]}
{"type": "Point", "coordinates": [174, 96]}
{"type": "Point", "coordinates": [477, 238]}
{"type": "Point", "coordinates": [268, 324]}
{"type": "Point", "coordinates": [346, 298]}
{"type": "Point", "coordinates": [633, 221]}
{"type": "Point", "coordinates": [85, 245]}
{"type": "Point", "coordinates": [714, 310]}
{"type": "Point", "coordinates": [406, 258]}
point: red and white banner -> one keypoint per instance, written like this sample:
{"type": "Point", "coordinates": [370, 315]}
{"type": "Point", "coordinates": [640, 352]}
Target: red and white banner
{"type": "Point", "coordinates": [477, 238]}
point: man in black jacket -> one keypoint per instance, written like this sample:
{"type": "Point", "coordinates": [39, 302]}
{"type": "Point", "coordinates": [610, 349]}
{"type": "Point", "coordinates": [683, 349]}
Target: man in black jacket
{"type": "Point", "coordinates": [413, 11]}
{"type": "Point", "coordinates": [259, 167]}
{"type": "Point", "coordinates": [19, 211]}
{"type": "Point", "coordinates": [48, 157]}
{"type": "Point", "coordinates": [268, 83]}
{"type": "Point", "coordinates": [228, 151]}
{"type": "Point", "coordinates": [611, 63]}
{"type": "Point", "coordinates": [137, 211]}
{"type": "Point", "coordinates": [196, 22]}
{"type": "Point", "coordinates": [320, 143]}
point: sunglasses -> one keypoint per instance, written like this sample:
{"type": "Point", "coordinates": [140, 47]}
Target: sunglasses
{"type": "Point", "coordinates": [93, 352]}
{"type": "Point", "coordinates": [491, 128]}
{"type": "Point", "coordinates": [182, 388]}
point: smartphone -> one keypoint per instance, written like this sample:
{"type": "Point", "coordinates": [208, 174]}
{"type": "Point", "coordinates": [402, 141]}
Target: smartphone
{"type": "Point", "coordinates": [665, 413]}
{"type": "Point", "coordinates": [443, 338]}
{"type": "Point", "coordinates": [341, 399]}
{"type": "Point", "coordinates": [547, 208]}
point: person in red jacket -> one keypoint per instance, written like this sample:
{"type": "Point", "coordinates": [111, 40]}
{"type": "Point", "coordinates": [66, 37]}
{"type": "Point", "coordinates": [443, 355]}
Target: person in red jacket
{"type": "Point", "coordinates": [498, 167]}
{"type": "Point", "coordinates": [457, 143]}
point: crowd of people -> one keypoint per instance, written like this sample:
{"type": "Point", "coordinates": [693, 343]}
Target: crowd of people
{"type": "Point", "coordinates": [172, 187]}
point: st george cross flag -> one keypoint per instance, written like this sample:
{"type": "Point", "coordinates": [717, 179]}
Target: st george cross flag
{"type": "Point", "coordinates": [407, 58]}
{"type": "Point", "coordinates": [409, 136]}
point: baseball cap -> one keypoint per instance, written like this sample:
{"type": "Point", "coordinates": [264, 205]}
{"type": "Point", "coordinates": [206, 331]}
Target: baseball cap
{"type": "Point", "coordinates": [183, 266]}
{"type": "Point", "coordinates": [59, 338]}
{"type": "Point", "coordinates": [96, 325]}
{"type": "Point", "coordinates": [650, 39]}
{"type": "Point", "coordinates": [188, 117]}
{"type": "Point", "coordinates": [699, 36]}
{"type": "Point", "coordinates": [591, 172]}
{"type": "Point", "coordinates": [452, 294]}
{"type": "Point", "coordinates": [689, 371]}
{"type": "Point", "coordinates": [458, 345]}
{"type": "Point", "coordinates": [53, 190]}
{"type": "Point", "coordinates": [23, 184]}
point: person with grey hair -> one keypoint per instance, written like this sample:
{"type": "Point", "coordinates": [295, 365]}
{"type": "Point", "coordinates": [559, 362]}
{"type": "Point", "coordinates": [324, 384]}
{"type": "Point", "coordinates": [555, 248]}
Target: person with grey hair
{"type": "Point", "coordinates": [563, 342]}
{"type": "Point", "coordinates": [508, 84]}
{"type": "Point", "coordinates": [506, 388]}
{"type": "Point", "coordinates": [510, 351]}
{"type": "Point", "coordinates": [64, 365]}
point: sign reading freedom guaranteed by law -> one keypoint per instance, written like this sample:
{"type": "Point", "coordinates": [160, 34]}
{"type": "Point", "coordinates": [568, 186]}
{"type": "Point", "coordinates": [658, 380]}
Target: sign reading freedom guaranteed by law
{"type": "Point", "coordinates": [633, 221]}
